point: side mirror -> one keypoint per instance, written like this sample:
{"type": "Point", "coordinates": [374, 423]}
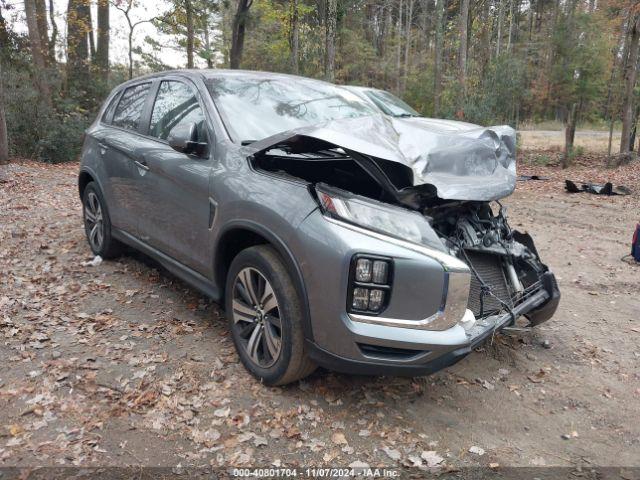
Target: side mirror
{"type": "Point", "coordinates": [184, 138]}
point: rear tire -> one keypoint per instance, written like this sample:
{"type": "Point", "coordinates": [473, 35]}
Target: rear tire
{"type": "Point", "coordinates": [265, 317]}
{"type": "Point", "coordinates": [97, 223]}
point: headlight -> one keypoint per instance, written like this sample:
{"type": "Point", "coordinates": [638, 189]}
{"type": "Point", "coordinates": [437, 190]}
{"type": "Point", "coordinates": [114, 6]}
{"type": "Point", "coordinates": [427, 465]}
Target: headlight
{"type": "Point", "coordinates": [380, 217]}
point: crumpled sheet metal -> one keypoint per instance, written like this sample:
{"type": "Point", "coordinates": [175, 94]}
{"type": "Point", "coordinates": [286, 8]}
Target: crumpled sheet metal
{"type": "Point", "coordinates": [463, 161]}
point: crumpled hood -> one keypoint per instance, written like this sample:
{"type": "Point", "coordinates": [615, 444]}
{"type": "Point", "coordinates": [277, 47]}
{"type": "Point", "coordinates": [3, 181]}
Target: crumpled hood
{"type": "Point", "coordinates": [461, 160]}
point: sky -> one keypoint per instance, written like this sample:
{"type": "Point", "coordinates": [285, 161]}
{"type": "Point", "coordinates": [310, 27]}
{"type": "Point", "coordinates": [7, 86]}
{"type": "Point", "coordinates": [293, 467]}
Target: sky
{"type": "Point", "coordinates": [143, 9]}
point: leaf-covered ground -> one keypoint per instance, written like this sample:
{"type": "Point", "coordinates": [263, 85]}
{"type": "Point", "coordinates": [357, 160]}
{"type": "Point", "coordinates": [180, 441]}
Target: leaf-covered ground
{"type": "Point", "coordinates": [122, 364]}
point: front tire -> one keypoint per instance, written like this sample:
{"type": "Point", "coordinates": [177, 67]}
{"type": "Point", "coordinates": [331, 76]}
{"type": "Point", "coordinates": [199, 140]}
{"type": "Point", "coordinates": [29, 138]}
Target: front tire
{"type": "Point", "coordinates": [265, 317]}
{"type": "Point", "coordinates": [97, 224]}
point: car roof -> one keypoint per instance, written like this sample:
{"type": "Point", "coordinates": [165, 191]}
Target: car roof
{"type": "Point", "coordinates": [218, 73]}
{"type": "Point", "coordinates": [358, 88]}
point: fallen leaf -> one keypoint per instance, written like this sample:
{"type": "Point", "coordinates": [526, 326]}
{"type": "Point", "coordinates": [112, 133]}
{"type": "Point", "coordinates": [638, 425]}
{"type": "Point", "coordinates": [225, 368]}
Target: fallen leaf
{"type": "Point", "coordinates": [431, 458]}
{"type": "Point", "coordinates": [339, 439]}
{"type": "Point", "coordinates": [476, 450]}
{"type": "Point", "coordinates": [393, 454]}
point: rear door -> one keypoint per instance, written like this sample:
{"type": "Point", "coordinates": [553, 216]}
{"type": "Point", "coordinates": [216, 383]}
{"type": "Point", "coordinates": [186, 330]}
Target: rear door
{"type": "Point", "coordinates": [176, 185]}
{"type": "Point", "coordinates": [119, 146]}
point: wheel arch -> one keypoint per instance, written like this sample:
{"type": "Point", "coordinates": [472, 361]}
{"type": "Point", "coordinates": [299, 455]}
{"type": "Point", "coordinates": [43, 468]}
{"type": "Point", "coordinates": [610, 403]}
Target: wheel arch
{"type": "Point", "coordinates": [84, 178]}
{"type": "Point", "coordinates": [240, 235]}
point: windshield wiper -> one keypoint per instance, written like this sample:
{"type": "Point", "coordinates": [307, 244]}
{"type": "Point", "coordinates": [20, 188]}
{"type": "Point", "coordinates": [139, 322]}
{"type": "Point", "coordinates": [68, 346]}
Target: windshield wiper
{"type": "Point", "coordinates": [247, 142]}
{"type": "Point", "coordinates": [405, 115]}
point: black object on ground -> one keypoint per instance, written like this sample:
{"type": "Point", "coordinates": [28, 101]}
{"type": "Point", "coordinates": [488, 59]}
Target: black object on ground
{"type": "Point", "coordinates": [596, 188]}
{"type": "Point", "coordinates": [524, 178]}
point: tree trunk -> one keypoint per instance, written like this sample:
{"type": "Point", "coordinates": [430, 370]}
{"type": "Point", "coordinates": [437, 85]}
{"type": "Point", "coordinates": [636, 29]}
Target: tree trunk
{"type": "Point", "coordinates": [399, 47]}
{"type": "Point", "coordinates": [102, 49]}
{"type": "Point", "coordinates": [54, 33]}
{"type": "Point", "coordinates": [237, 33]}
{"type": "Point", "coordinates": [569, 135]}
{"type": "Point", "coordinates": [188, 8]}
{"type": "Point", "coordinates": [407, 42]}
{"type": "Point", "coordinates": [130, 42]}
{"type": "Point", "coordinates": [437, 70]}
{"type": "Point", "coordinates": [330, 49]}
{"type": "Point", "coordinates": [512, 24]}
{"type": "Point", "coordinates": [634, 126]}
{"type": "Point", "coordinates": [500, 22]}
{"type": "Point", "coordinates": [295, 37]}
{"type": "Point", "coordinates": [207, 44]}
{"type": "Point", "coordinates": [4, 144]}
{"type": "Point", "coordinates": [4, 35]}
{"type": "Point", "coordinates": [77, 47]}
{"type": "Point", "coordinates": [630, 75]}
{"type": "Point", "coordinates": [462, 56]}
{"type": "Point", "coordinates": [41, 20]}
{"type": "Point", "coordinates": [37, 52]}
{"type": "Point", "coordinates": [92, 43]}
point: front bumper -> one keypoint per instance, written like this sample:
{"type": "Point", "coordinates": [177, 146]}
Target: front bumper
{"type": "Point", "coordinates": [435, 357]}
{"type": "Point", "coordinates": [419, 332]}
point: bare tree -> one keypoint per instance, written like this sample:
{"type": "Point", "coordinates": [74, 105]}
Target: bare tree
{"type": "Point", "coordinates": [330, 44]}
{"type": "Point", "coordinates": [630, 76]}
{"type": "Point", "coordinates": [37, 52]}
{"type": "Point", "coordinates": [238, 31]}
{"type": "Point", "coordinates": [126, 10]}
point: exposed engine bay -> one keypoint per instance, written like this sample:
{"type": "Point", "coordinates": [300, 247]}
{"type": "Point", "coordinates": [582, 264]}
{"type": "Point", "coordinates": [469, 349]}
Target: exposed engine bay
{"type": "Point", "coordinates": [505, 265]}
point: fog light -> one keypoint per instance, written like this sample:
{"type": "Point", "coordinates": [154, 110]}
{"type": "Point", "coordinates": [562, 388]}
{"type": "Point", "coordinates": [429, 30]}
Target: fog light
{"type": "Point", "coordinates": [369, 288]}
{"type": "Point", "coordinates": [363, 270]}
{"type": "Point", "coordinates": [376, 299]}
{"type": "Point", "coordinates": [360, 298]}
{"type": "Point", "coordinates": [379, 273]}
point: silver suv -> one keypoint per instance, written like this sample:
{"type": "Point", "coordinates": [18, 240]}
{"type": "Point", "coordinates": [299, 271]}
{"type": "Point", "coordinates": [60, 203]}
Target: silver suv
{"type": "Point", "coordinates": [334, 235]}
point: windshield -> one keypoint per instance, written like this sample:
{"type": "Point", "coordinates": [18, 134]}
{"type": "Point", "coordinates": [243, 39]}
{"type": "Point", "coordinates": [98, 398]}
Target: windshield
{"type": "Point", "coordinates": [254, 108]}
{"type": "Point", "coordinates": [390, 104]}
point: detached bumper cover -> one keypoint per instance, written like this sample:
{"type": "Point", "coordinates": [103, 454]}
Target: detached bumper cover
{"type": "Point", "coordinates": [538, 308]}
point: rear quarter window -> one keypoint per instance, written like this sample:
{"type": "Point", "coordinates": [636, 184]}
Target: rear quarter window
{"type": "Point", "coordinates": [108, 113]}
{"type": "Point", "coordinates": [129, 110]}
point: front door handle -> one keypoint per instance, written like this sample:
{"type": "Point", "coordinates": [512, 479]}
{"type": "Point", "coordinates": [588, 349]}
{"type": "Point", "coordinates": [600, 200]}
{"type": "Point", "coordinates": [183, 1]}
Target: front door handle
{"type": "Point", "coordinates": [103, 148]}
{"type": "Point", "coordinates": [142, 165]}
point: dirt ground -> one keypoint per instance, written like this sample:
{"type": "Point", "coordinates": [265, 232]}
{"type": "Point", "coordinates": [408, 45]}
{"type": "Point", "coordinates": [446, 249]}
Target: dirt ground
{"type": "Point", "coordinates": [122, 364]}
{"type": "Point", "coordinates": [589, 140]}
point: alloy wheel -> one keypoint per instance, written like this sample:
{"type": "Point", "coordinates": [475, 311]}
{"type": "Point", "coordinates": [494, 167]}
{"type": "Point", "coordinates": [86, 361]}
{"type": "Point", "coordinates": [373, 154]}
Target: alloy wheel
{"type": "Point", "coordinates": [94, 221]}
{"type": "Point", "coordinates": [256, 317]}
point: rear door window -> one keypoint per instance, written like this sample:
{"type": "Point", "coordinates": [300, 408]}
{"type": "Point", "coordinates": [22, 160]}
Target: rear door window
{"type": "Point", "coordinates": [129, 109]}
{"type": "Point", "coordinates": [176, 104]}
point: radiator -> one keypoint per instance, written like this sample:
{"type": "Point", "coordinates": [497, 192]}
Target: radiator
{"type": "Point", "coordinates": [489, 268]}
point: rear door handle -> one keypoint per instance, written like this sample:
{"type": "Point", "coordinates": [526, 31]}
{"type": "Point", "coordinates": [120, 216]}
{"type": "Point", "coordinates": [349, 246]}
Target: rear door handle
{"type": "Point", "coordinates": [142, 165]}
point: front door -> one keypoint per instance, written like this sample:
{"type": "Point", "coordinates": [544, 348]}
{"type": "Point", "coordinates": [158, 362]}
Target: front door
{"type": "Point", "coordinates": [175, 185]}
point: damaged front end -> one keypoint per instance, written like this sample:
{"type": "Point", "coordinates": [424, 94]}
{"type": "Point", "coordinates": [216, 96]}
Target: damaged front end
{"type": "Point", "coordinates": [453, 179]}
{"type": "Point", "coordinates": [507, 273]}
